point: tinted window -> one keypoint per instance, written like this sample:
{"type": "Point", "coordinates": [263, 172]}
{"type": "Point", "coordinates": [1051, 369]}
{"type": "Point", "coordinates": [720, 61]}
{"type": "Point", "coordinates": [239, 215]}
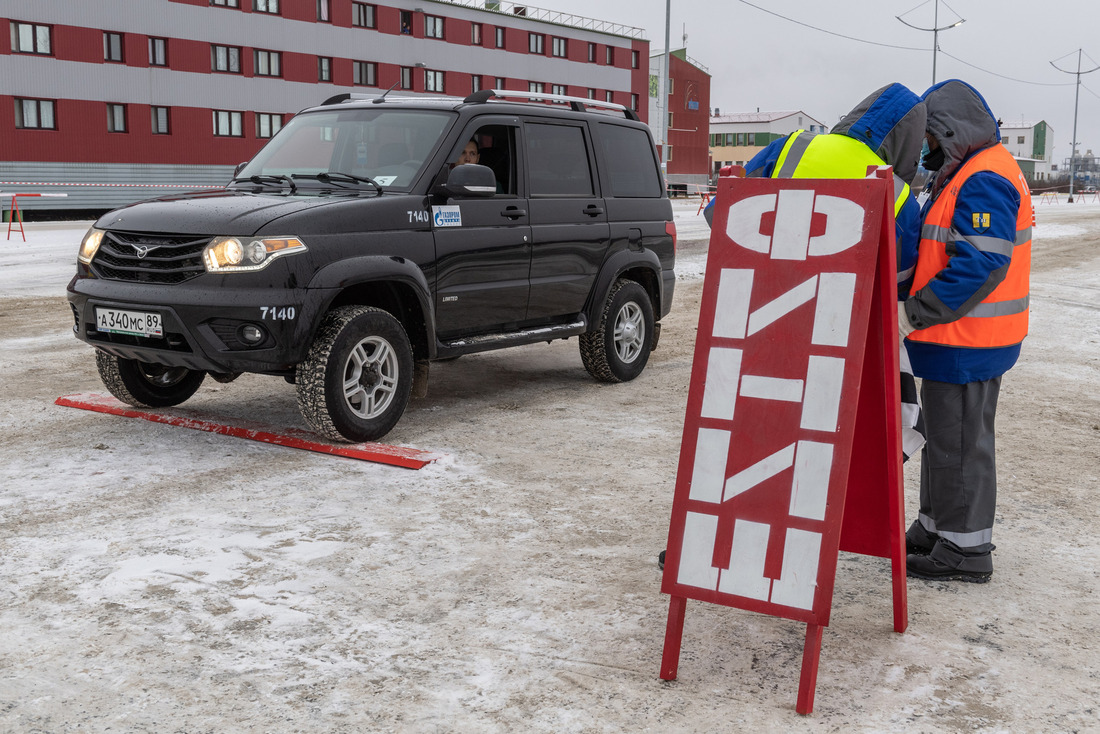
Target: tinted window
{"type": "Point", "coordinates": [558, 160]}
{"type": "Point", "coordinates": [631, 167]}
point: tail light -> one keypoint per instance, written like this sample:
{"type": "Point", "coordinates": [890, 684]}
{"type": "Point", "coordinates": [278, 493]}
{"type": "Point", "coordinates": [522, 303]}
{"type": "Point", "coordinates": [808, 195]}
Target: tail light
{"type": "Point", "coordinates": [670, 229]}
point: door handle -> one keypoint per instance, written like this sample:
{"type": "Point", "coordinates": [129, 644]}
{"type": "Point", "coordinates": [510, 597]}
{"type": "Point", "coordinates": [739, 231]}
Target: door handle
{"type": "Point", "coordinates": [593, 211]}
{"type": "Point", "coordinates": [513, 212]}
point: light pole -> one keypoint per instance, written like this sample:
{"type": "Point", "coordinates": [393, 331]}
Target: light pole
{"type": "Point", "coordinates": [662, 106]}
{"type": "Point", "coordinates": [935, 33]}
{"type": "Point", "coordinates": [1076, 96]}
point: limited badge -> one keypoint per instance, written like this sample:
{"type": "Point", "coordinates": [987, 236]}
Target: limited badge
{"type": "Point", "coordinates": [981, 221]}
{"type": "Point", "coordinates": [447, 216]}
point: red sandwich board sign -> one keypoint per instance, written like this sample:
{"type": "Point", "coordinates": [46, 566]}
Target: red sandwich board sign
{"type": "Point", "coordinates": [796, 362]}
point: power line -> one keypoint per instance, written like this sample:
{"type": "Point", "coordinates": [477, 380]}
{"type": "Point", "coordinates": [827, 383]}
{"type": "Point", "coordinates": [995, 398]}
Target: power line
{"type": "Point", "coordinates": [831, 33]}
{"type": "Point", "coordinates": [1002, 76]}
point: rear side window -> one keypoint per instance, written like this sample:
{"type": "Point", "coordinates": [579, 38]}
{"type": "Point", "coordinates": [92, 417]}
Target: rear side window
{"type": "Point", "coordinates": [631, 166]}
{"type": "Point", "coordinates": [558, 160]}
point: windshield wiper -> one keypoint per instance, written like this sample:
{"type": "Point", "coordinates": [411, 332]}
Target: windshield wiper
{"type": "Point", "coordinates": [269, 180]}
{"type": "Point", "coordinates": [339, 177]}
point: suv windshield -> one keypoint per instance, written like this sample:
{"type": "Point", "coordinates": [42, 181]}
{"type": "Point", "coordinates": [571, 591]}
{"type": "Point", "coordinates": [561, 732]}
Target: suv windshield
{"type": "Point", "coordinates": [386, 146]}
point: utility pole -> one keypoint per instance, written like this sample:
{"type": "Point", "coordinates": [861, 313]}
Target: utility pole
{"type": "Point", "coordinates": [662, 105]}
{"type": "Point", "coordinates": [1076, 97]}
{"type": "Point", "coordinates": [935, 33]}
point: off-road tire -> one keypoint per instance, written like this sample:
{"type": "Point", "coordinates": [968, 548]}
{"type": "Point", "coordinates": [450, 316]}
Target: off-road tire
{"type": "Point", "coordinates": [145, 385]}
{"type": "Point", "coordinates": [618, 350]}
{"type": "Point", "coordinates": [355, 382]}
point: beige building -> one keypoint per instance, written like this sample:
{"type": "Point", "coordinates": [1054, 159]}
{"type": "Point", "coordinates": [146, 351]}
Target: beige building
{"type": "Point", "coordinates": [736, 138]}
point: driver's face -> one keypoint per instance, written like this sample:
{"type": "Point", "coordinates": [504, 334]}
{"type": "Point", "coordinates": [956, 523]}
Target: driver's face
{"type": "Point", "coordinates": [469, 154]}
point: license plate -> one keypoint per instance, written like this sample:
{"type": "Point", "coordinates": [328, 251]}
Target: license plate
{"type": "Point", "coordinates": [134, 323]}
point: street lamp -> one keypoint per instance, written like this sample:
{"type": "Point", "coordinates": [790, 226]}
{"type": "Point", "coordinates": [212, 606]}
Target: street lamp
{"type": "Point", "coordinates": [935, 33]}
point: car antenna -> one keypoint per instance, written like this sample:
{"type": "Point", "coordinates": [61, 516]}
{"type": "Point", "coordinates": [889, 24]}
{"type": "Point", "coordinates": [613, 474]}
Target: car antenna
{"type": "Point", "coordinates": [379, 100]}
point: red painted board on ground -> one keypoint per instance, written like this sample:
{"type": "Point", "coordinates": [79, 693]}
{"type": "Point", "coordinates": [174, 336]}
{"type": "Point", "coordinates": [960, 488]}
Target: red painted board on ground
{"type": "Point", "coordinates": [408, 458]}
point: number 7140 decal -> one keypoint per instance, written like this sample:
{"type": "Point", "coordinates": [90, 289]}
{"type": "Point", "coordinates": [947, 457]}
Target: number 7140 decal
{"type": "Point", "coordinates": [277, 313]}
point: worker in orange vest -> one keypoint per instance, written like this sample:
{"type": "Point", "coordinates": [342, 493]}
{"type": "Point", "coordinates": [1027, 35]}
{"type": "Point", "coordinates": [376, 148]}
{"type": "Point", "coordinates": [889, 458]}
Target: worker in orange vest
{"type": "Point", "coordinates": [965, 320]}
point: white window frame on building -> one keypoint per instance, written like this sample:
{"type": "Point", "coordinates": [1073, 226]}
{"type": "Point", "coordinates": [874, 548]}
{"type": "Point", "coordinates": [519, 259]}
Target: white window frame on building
{"type": "Point", "coordinates": [475, 83]}
{"type": "Point", "coordinates": [266, 6]}
{"type": "Point", "coordinates": [536, 87]}
{"type": "Point", "coordinates": [114, 47]}
{"type": "Point", "coordinates": [267, 124]}
{"type": "Point", "coordinates": [592, 53]}
{"type": "Point", "coordinates": [32, 38]}
{"type": "Point", "coordinates": [634, 102]}
{"type": "Point", "coordinates": [433, 26]}
{"type": "Point", "coordinates": [158, 51]}
{"type": "Point", "coordinates": [267, 63]}
{"type": "Point", "coordinates": [559, 89]}
{"type": "Point", "coordinates": [228, 124]}
{"type": "Point", "coordinates": [609, 96]}
{"type": "Point", "coordinates": [324, 11]}
{"type": "Point", "coordinates": [364, 15]}
{"type": "Point", "coordinates": [559, 47]}
{"type": "Point", "coordinates": [35, 114]}
{"type": "Point", "coordinates": [324, 68]}
{"type": "Point", "coordinates": [116, 117]}
{"type": "Point", "coordinates": [501, 83]}
{"type": "Point", "coordinates": [161, 120]}
{"type": "Point", "coordinates": [609, 55]}
{"type": "Point", "coordinates": [364, 73]}
{"type": "Point", "coordinates": [406, 22]}
{"type": "Point", "coordinates": [475, 34]}
{"type": "Point", "coordinates": [634, 59]}
{"type": "Point", "coordinates": [499, 36]}
{"type": "Point", "coordinates": [536, 43]}
{"type": "Point", "coordinates": [406, 77]}
{"type": "Point", "coordinates": [591, 93]}
{"type": "Point", "coordinates": [434, 81]}
{"type": "Point", "coordinates": [225, 59]}
{"type": "Point", "coordinates": [227, 3]}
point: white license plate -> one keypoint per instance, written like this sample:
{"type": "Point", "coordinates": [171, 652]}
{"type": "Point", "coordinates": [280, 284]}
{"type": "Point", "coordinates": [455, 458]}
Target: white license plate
{"type": "Point", "coordinates": [135, 323]}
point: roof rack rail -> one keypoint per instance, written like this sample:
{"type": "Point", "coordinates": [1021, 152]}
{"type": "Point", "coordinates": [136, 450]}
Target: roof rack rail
{"type": "Point", "coordinates": [577, 104]}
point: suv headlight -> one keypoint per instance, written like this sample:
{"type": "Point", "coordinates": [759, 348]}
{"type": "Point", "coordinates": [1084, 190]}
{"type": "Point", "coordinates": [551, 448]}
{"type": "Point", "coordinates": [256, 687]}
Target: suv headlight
{"type": "Point", "coordinates": [247, 254]}
{"type": "Point", "coordinates": [89, 245]}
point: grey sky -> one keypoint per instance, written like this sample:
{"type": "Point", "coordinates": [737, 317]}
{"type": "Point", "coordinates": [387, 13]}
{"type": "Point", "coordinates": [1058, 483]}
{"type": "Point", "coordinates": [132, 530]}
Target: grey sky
{"type": "Point", "coordinates": [760, 60]}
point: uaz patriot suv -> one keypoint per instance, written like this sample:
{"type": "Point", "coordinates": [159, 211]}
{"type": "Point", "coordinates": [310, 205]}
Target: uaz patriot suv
{"type": "Point", "coordinates": [353, 250]}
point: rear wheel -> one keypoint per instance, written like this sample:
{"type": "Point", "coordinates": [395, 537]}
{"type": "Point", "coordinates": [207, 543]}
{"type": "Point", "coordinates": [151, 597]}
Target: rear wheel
{"type": "Point", "coordinates": [147, 385]}
{"type": "Point", "coordinates": [355, 382]}
{"type": "Point", "coordinates": [618, 350]}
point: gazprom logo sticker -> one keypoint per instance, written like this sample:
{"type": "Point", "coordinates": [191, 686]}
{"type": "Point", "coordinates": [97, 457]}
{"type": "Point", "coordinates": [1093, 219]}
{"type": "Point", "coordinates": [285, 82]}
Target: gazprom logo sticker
{"type": "Point", "coordinates": [447, 216]}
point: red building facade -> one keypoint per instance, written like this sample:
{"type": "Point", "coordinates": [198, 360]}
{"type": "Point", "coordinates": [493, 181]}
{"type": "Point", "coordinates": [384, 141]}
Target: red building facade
{"type": "Point", "coordinates": [687, 115]}
{"type": "Point", "coordinates": [180, 91]}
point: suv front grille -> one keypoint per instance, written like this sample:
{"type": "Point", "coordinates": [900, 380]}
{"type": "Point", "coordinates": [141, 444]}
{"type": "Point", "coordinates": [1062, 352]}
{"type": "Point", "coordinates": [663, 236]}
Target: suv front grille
{"type": "Point", "coordinates": [149, 258]}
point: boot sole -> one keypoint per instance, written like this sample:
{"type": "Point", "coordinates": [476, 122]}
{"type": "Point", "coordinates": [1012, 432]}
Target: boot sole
{"type": "Point", "coordinates": [957, 576]}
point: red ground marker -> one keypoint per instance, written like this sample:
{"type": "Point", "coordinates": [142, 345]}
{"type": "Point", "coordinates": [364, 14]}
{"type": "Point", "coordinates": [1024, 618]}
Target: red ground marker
{"type": "Point", "coordinates": [376, 452]}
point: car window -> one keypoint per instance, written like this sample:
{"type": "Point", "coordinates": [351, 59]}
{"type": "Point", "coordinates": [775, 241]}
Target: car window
{"type": "Point", "coordinates": [557, 158]}
{"type": "Point", "coordinates": [389, 146]}
{"type": "Point", "coordinates": [629, 162]}
{"type": "Point", "coordinates": [493, 146]}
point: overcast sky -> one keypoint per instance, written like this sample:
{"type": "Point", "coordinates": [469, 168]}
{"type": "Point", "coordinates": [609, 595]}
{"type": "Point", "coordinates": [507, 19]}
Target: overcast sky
{"type": "Point", "coordinates": [758, 60]}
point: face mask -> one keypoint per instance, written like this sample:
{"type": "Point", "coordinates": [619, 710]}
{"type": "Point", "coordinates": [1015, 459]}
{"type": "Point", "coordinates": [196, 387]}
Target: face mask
{"type": "Point", "coordinates": [933, 159]}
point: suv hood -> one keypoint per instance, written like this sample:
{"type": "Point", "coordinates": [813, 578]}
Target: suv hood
{"type": "Point", "coordinates": [221, 212]}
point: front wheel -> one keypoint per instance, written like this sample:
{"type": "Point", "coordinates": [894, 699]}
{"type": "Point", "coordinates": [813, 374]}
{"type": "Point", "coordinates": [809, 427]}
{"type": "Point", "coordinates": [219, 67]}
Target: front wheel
{"type": "Point", "coordinates": [618, 350]}
{"type": "Point", "coordinates": [146, 385]}
{"type": "Point", "coordinates": [355, 382]}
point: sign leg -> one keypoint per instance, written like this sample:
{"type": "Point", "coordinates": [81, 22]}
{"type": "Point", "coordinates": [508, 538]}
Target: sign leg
{"type": "Point", "coordinates": [674, 633]}
{"type": "Point", "coordinates": [807, 683]}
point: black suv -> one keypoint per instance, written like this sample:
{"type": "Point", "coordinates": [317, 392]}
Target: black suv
{"type": "Point", "coordinates": [372, 236]}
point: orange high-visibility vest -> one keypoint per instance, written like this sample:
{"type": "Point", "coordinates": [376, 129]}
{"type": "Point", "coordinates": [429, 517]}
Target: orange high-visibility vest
{"type": "Point", "coordinates": [1001, 319]}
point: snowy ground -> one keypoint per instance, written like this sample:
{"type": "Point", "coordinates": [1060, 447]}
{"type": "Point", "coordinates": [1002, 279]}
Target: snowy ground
{"type": "Point", "coordinates": [156, 579]}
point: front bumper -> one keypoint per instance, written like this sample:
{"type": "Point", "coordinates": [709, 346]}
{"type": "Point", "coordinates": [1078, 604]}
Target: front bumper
{"type": "Point", "coordinates": [202, 326]}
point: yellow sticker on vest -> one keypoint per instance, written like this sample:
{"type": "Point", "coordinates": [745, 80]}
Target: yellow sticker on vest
{"type": "Point", "coordinates": [981, 221]}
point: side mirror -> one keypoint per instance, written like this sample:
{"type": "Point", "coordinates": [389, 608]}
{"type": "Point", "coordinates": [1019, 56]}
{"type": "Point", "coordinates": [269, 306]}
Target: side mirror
{"type": "Point", "coordinates": [239, 168]}
{"type": "Point", "coordinates": [470, 180]}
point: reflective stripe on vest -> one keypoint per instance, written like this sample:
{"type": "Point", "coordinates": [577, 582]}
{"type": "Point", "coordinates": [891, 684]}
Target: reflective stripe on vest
{"type": "Point", "coordinates": [1001, 319]}
{"type": "Point", "coordinates": [813, 155]}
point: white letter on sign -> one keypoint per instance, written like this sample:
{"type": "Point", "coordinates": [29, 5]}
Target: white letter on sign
{"type": "Point", "coordinates": [794, 210]}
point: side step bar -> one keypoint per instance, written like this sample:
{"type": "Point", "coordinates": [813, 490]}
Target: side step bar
{"type": "Point", "coordinates": [514, 338]}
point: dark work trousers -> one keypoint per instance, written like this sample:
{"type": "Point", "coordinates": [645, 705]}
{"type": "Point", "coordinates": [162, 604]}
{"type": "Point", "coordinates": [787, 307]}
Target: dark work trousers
{"type": "Point", "coordinates": [958, 482]}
